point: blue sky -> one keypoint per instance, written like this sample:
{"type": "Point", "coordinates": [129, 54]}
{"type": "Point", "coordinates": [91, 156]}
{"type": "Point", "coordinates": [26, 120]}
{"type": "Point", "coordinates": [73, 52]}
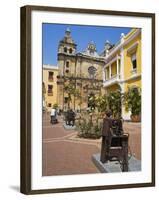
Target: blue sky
{"type": "Point", "coordinates": [82, 35]}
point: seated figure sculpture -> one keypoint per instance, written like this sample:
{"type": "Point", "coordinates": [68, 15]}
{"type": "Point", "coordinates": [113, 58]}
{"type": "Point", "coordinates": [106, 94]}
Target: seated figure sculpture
{"type": "Point", "coordinates": [114, 141]}
{"type": "Point", "coordinates": [70, 117]}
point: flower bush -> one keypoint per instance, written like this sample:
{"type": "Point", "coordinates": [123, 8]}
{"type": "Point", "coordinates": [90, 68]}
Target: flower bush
{"type": "Point", "coordinates": [132, 101]}
{"type": "Point", "coordinates": [89, 127]}
{"type": "Point", "coordinates": [114, 101]}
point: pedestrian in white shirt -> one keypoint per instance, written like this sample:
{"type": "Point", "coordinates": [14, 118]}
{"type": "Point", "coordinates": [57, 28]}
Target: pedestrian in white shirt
{"type": "Point", "coordinates": [53, 116]}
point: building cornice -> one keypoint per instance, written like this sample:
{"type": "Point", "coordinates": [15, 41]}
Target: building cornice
{"type": "Point", "coordinates": [80, 55]}
{"type": "Point", "coordinates": [117, 80]}
{"type": "Point", "coordinates": [79, 78]}
{"type": "Point", "coordinates": [132, 47]}
{"type": "Point", "coordinates": [50, 67]}
{"type": "Point", "coordinates": [67, 43]}
{"type": "Point", "coordinates": [112, 60]}
{"type": "Point", "coordinates": [122, 44]}
{"type": "Point", "coordinates": [131, 78]}
{"type": "Point", "coordinates": [99, 59]}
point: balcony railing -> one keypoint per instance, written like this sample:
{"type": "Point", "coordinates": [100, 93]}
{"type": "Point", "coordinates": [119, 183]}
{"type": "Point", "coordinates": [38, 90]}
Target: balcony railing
{"type": "Point", "coordinates": [114, 79]}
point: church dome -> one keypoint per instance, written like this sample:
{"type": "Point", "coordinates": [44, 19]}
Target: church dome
{"type": "Point", "coordinates": [91, 50]}
{"type": "Point", "coordinates": [67, 38]}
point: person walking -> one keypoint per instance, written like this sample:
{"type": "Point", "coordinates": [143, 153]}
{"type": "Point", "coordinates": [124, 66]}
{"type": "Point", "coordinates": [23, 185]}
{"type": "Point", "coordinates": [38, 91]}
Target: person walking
{"type": "Point", "coordinates": [53, 116]}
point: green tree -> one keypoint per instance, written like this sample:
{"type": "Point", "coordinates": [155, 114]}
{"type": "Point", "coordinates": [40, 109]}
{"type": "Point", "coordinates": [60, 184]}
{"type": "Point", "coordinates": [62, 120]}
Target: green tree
{"type": "Point", "coordinates": [114, 103]}
{"type": "Point", "coordinates": [92, 101]}
{"type": "Point", "coordinates": [71, 91]}
{"type": "Point", "coordinates": [101, 103]}
{"type": "Point", "coordinates": [132, 100]}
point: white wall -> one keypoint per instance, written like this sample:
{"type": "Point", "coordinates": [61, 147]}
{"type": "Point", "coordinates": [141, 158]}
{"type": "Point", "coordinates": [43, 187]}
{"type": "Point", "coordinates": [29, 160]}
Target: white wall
{"type": "Point", "coordinates": [9, 100]}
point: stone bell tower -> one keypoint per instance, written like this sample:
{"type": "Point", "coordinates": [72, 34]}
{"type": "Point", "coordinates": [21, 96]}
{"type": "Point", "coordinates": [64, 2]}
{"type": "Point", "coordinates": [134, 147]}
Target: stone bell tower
{"type": "Point", "coordinates": [66, 65]}
{"type": "Point", "coordinates": [66, 54]}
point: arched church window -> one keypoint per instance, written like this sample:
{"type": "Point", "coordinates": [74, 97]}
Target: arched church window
{"type": "Point", "coordinates": [65, 49]}
{"type": "Point", "coordinates": [70, 51]}
{"type": "Point", "coordinates": [67, 64]}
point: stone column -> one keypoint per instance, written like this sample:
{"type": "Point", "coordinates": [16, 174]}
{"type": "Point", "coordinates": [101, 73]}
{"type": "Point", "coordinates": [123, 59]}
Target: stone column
{"type": "Point", "coordinates": [117, 65]}
{"type": "Point", "coordinates": [104, 73]}
{"type": "Point", "coordinates": [110, 71]}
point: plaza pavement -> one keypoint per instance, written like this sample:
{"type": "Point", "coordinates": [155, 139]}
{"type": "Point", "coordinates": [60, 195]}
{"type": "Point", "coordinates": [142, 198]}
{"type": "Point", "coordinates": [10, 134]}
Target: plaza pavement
{"type": "Point", "coordinates": [65, 154]}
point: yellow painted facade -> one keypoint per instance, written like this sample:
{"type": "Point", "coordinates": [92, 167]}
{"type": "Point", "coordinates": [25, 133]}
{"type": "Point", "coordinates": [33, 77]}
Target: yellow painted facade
{"type": "Point", "coordinates": [49, 86]}
{"type": "Point", "coordinates": [113, 69]}
{"type": "Point", "coordinates": [123, 66]}
{"type": "Point", "coordinates": [128, 52]}
{"type": "Point", "coordinates": [136, 82]}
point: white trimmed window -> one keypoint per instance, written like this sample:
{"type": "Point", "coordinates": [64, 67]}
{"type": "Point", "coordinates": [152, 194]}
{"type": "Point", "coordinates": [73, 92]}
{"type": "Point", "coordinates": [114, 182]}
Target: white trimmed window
{"type": "Point", "coordinates": [134, 61]}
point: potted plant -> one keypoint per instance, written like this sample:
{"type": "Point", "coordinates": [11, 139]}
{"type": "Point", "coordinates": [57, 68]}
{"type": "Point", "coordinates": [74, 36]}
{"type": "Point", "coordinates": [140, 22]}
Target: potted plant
{"type": "Point", "coordinates": [132, 101]}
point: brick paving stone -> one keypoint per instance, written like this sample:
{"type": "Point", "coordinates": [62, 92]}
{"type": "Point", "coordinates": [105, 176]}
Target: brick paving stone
{"type": "Point", "coordinates": [46, 119]}
{"type": "Point", "coordinates": [134, 130]}
{"type": "Point", "coordinates": [55, 131]}
{"type": "Point", "coordinates": [66, 158]}
{"type": "Point", "coordinates": [64, 155]}
{"type": "Point", "coordinates": [51, 131]}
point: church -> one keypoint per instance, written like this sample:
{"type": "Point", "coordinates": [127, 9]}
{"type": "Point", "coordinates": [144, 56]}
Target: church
{"type": "Point", "coordinates": [80, 74]}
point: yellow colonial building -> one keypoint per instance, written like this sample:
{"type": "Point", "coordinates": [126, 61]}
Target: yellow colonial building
{"type": "Point", "coordinates": [49, 86]}
{"type": "Point", "coordinates": [123, 65]}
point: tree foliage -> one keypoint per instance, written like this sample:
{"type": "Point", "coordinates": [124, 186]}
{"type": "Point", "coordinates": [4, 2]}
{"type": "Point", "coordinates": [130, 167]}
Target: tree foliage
{"type": "Point", "coordinates": [114, 100]}
{"type": "Point", "coordinates": [132, 101]}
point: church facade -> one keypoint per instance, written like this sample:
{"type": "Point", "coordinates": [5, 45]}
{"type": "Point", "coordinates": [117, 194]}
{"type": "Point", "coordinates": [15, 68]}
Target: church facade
{"type": "Point", "coordinates": [80, 74]}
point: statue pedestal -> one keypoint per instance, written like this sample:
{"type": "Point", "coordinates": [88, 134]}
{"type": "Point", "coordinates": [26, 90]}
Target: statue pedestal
{"type": "Point", "coordinates": [114, 166]}
{"type": "Point", "coordinates": [67, 127]}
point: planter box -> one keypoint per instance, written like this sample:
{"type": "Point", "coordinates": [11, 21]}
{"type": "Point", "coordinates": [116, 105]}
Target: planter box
{"type": "Point", "coordinates": [136, 118]}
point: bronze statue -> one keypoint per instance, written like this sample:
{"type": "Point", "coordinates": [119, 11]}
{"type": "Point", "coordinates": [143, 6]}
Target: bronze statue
{"type": "Point", "coordinates": [70, 117]}
{"type": "Point", "coordinates": [114, 141]}
{"type": "Point", "coordinates": [106, 136]}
